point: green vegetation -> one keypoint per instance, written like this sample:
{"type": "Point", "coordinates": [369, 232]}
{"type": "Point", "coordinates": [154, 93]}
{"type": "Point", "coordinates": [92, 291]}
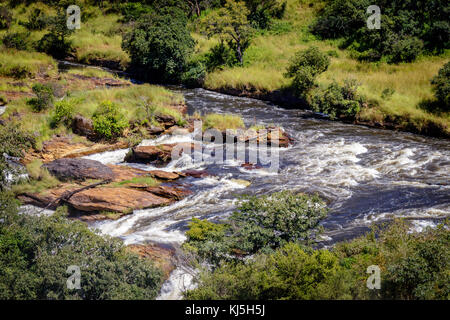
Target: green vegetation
{"type": "Point", "coordinates": [13, 141]}
{"type": "Point", "coordinates": [159, 45]}
{"type": "Point", "coordinates": [36, 251]}
{"type": "Point", "coordinates": [44, 97]}
{"type": "Point", "coordinates": [339, 102]}
{"type": "Point", "coordinates": [39, 180]}
{"type": "Point", "coordinates": [441, 87]}
{"type": "Point", "coordinates": [305, 67]}
{"type": "Point", "coordinates": [407, 28]}
{"type": "Point", "coordinates": [260, 224]}
{"type": "Point", "coordinates": [108, 121]}
{"type": "Point", "coordinates": [413, 266]}
{"type": "Point", "coordinates": [231, 25]}
{"type": "Point", "coordinates": [63, 113]}
{"type": "Point", "coordinates": [144, 181]}
{"type": "Point", "coordinates": [222, 122]}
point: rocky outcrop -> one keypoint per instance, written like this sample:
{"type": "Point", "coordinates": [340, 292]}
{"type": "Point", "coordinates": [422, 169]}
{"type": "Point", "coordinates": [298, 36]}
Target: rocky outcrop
{"type": "Point", "coordinates": [123, 200]}
{"type": "Point", "coordinates": [64, 147]}
{"type": "Point", "coordinates": [79, 169]}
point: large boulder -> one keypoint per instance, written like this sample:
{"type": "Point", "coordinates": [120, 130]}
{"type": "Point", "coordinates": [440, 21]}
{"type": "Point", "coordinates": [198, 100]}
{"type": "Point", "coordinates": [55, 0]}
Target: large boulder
{"type": "Point", "coordinates": [83, 126]}
{"type": "Point", "coordinates": [122, 200]}
{"type": "Point", "coordinates": [79, 169]}
{"type": "Point", "coordinates": [150, 154]}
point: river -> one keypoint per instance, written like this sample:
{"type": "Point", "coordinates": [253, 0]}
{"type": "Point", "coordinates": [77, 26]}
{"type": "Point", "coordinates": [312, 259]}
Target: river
{"type": "Point", "coordinates": [365, 175]}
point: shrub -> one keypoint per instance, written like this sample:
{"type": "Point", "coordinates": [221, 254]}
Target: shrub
{"type": "Point", "coordinates": [220, 56]}
{"type": "Point", "coordinates": [37, 250]}
{"type": "Point", "coordinates": [195, 74]}
{"type": "Point", "coordinates": [16, 40]}
{"type": "Point", "coordinates": [44, 97]}
{"type": "Point", "coordinates": [159, 45]}
{"type": "Point", "coordinates": [108, 121]}
{"type": "Point", "coordinates": [337, 101]}
{"type": "Point", "coordinates": [62, 113]}
{"type": "Point", "coordinates": [304, 68]}
{"type": "Point", "coordinates": [133, 11]}
{"type": "Point", "coordinates": [405, 50]}
{"type": "Point", "coordinates": [441, 87]}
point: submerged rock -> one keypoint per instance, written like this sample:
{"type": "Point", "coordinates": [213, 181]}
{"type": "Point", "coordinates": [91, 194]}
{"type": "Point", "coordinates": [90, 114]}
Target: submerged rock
{"type": "Point", "coordinates": [79, 169]}
{"type": "Point", "coordinates": [175, 193]}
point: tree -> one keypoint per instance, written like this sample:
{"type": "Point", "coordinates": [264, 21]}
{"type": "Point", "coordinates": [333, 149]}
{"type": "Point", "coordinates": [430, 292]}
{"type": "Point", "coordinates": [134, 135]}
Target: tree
{"type": "Point", "coordinates": [304, 68]}
{"type": "Point", "coordinates": [441, 87]}
{"type": "Point", "coordinates": [262, 11]}
{"type": "Point", "coordinates": [160, 44]}
{"type": "Point", "coordinates": [55, 42]}
{"type": "Point", "coordinates": [231, 25]}
{"type": "Point", "coordinates": [35, 252]}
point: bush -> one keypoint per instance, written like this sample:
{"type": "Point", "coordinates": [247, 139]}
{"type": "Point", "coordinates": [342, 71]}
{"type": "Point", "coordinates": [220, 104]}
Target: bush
{"type": "Point", "coordinates": [195, 74]}
{"type": "Point", "coordinates": [441, 87]}
{"type": "Point", "coordinates": [16, 40]}
{"type": "Point", "coordinates": [220, 56]}
{"type": "Point", "coordinates": [44, 97]}
{"type": "Point", "coordinates": [405, 50]}
{"type": "Point", "coordinates": [159, 45]}
{"type": "Point", "coordinates": [337, 101]}
{"type": "Point", "coordinates": [269, 222]}
{"type": "Point", "coordinates": [36, 252]}
{"type": "Point", "coordinates": [62, 113]}
{"type": "Point", "coordinates": [108, 121]}
{"type": "Point", "coordinates": [304, 68]}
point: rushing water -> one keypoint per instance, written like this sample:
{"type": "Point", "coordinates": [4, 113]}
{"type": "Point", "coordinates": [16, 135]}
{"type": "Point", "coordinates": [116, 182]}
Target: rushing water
{"type": "Point", "coordinates": [365, 175]}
